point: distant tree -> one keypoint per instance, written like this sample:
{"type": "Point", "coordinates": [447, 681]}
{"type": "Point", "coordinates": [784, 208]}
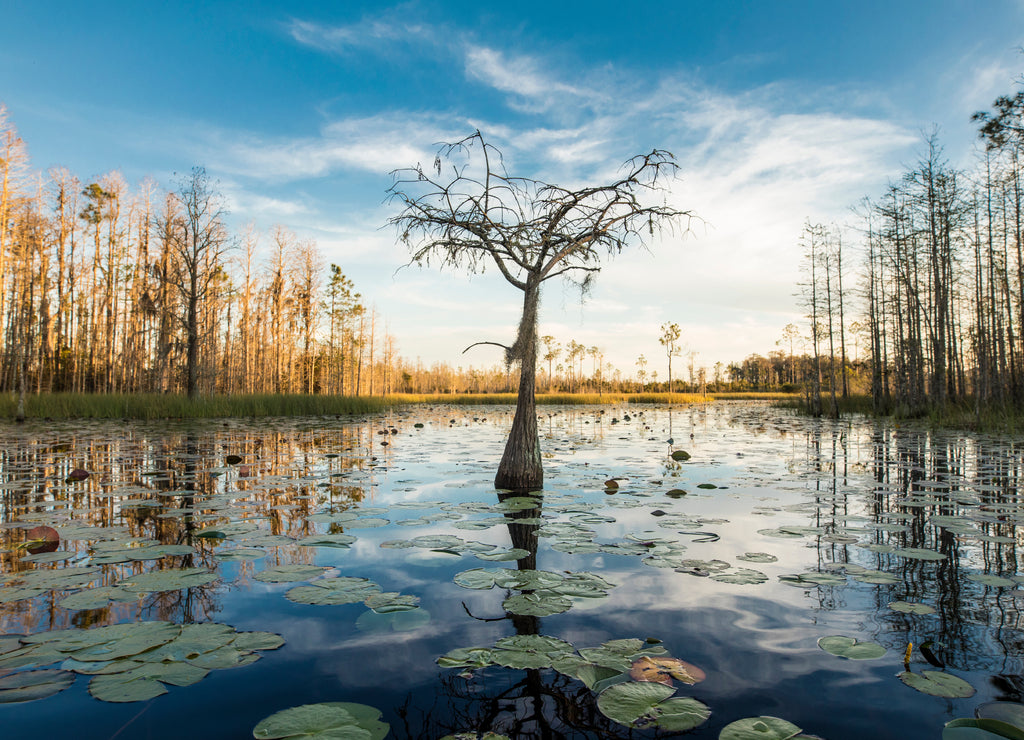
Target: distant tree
{"type": "Point", "coordinates": [641, 373]}
{"type": "Point", "coordinates": [669, 339]}
{"type": "Point", "coordinates": [790, 333]}
{"type": "Point", "coordinates": [198, 241]}
{"type": "Point", "coordinates": [532, 231]}
{"type": "Point", "coordinates": [551, 352]}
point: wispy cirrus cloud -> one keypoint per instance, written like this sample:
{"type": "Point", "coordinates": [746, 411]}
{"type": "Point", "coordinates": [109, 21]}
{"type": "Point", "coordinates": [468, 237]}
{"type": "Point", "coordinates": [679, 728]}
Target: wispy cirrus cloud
{"type": "Point", "coordinates": [374, 144]}
{"type": "Point", "coordinates": [370, 32]}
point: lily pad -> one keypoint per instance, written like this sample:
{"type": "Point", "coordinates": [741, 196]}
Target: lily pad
{"type": "Point", "coordinates": [740, 576]}
{"type": "Point", "coordinates": [536, 604]}
{"type": "Point", "coordinates": [120, 688]}
{"type": "Point", "coordinates": [626, 703]}
{"type": "Point", "coordinates": [848, 647]}
{"type": "Point", "coordinates": [327, 540]}
{"type": "Point", "coordinates": [646, 704]}
{"type": "Point", "coordinates": [393, 621]}
{"type": "Point", "coordinates": [936, 683]}
{"type": "Point", "coordinates": [390, 601]}
{"type": "Point", "coordinates": [515, 553]}
{"type": "Point", "coordinates": [910, 607]}
{"type": "Point", "coordinates": [990, 579]}
{"type": "Point", "coordinates": [168, 580]}
{"type": "Point", "coordinates": [329, 720]}
{"type": "Point", "coordinates": [32, 685]}
{"type": "Point", "coordinates": [1010, 712]}
{"type": "Point", "coordinates": [759, 728]}
{"type": "Point", "coordinates": [757, 557]}
{"type": "Point", "coordinates": [97, 598]}
{"type": "Point", "coordinates": [967, 728]}
{"type": "Point", "coordinates": [290, 573]}
{"type": "Point", "coordinates": [333, 591]}
{"type": "Point", "coordinates": [663, 670]}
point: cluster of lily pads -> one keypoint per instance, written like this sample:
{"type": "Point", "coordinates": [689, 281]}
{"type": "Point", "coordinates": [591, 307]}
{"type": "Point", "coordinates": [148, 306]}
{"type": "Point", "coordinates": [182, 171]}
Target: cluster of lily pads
{"type": "Point", "coordinates": [542, 592]}
{"type": "Point", "coordinates": [635, 682]}
{"type": "Point", "coordinates": [634, 679]}
{"type": "Point", "coordinates": [128, 662]}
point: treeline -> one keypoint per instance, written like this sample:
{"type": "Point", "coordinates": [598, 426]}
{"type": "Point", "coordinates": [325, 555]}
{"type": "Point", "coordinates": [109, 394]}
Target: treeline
{"type": "Point", "coordinates": [939, 274]}
{"type": "Point", "coordinates": [112, 289]}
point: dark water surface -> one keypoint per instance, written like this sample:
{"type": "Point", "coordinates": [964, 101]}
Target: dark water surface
{"type": "Point", "coordinates": [854, 515]}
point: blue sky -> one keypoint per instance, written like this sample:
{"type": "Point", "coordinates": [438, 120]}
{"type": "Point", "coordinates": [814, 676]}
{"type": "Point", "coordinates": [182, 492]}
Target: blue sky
{"type": "Point", "coordinates": [776, 111]}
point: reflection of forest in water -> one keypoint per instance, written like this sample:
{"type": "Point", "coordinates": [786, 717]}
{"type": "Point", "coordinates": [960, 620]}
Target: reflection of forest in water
{"type": "Point", "coordinates": [151, 485]}
{"type": "Point", "coordinates": [958, 496]}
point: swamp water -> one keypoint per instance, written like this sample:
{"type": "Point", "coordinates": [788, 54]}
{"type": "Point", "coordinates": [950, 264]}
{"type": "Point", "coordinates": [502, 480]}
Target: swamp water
{"type": "Point", "coordinates": [780, 570]}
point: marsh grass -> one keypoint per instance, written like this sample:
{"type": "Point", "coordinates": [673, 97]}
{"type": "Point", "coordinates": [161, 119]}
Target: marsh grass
{"type": "Point", "coordinates": [169, 406]}
{"type": "Point", "coordinates": [160, 406]}
{"type": "Point", "coordinates": [965, 415]}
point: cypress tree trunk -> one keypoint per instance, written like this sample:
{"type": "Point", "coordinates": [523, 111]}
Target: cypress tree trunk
{"type": "Point", "coordinates": [520, 468]}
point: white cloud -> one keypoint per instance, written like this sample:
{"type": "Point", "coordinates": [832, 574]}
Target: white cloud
{"type": "Point", "coordinates": [375, 144]}
{"type": "Point", "coordinates": [533, 88]}
{"type": "Point", "coordinates": [370, 32]}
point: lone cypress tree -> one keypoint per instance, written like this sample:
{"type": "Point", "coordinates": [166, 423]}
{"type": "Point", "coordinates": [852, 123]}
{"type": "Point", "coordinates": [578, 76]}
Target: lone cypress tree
{"type": "Point", "coordinates": [531, 231]}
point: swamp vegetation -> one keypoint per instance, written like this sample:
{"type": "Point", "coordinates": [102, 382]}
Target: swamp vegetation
{"type": "Point", "coordinates": [725, 570]}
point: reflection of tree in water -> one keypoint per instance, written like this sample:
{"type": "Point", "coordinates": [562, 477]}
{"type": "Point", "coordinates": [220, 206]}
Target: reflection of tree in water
{"type": "Point", "coordinates": [954, 496]}
{"type": "Point", "coordinates": [540, 703]}
{"type": "Point", "coordinates": [184, 468]}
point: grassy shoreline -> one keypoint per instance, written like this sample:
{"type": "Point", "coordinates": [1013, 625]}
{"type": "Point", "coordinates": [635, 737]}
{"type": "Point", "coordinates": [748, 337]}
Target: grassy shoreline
{"type": "Point", "coordinates": [964, 416]}
{"type": "Point", "coordinates": [166, 406]}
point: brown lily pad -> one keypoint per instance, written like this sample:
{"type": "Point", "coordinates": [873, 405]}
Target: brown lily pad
{"type": "Point", "coordinates": [41, 539]}
{"type": "Point", "coordinates": [663, 670]}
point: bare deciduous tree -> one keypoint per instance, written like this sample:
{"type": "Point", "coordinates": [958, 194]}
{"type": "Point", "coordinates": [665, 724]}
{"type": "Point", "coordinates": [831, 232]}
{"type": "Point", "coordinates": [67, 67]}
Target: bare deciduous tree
{"type": "Point", "coordinates": [532, 231]}
{"type": "Point", "coordinates": [197, 241]}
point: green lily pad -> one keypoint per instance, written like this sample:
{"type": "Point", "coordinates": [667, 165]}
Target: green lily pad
{"type": "Point", "coordinates": [740, 576]}
{"type": "Point", "coordinates": [257, 641]}
{"type": "Point", "coordinates": [679, 714]}
{"type": "Point", "coordinates": [848, 647]}
{"type": "Point", "coordinates": [393, 621]}
{"type": "Point", "coordinates": [757, 557]}
{"type": "Point", "coordinates": [627, 702]}
{"type": "Point", "coordinates": [327, 540]}
{"type": "Point", "coordinates": [1010, 712]}
{"type": "Point", "coordinates": [241, 553]}
{"type": "Point", "coordinates": [515, 553]}
{"type": "Point", "coordinates": [537, 643]}
{"type": "Point", "coordinates": [536, 604]}
{"type": "Point", "coordinates": [759, 728]}
{"type": "Point", "coordinates": [989, 579]}
{"type": "Point", "coordinates": [474, 657]}
{"type": "Point", "coordinates": [877, 577]}
{"type": "Point", "coordinates": [120, 688]}
{"type": "Point", "coordinates": [328, 721]}
{"type": "Point", "coordinates": [967, 728]}
{"type": "Point", "coordinates": [168, 580]}
{"type": "Point", "coordinates": [390, 601]}
{"type": "Point", "coordinates": [680, 455]}
{"type": "Point", "coordinates": [476, 578]}
{"type": "Point", "coordinates": [333, 591]}
{"type": "Point", "coordinates": [643, 704]}
{"type": "Point", "coordinates": [32, 685]}
{"type": "Point", "coordinates": [290, 573]}
{"type": "Point", "coordinates": [936, 683]}
{"type": "Point", "coordinates": [368, 523]}
{"type": "Point", "coordinates": [910, 607]}
{"type": "Point", "coordinates": [97, 598]}
{"type": "Point", "coordinates": [135, 638]}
